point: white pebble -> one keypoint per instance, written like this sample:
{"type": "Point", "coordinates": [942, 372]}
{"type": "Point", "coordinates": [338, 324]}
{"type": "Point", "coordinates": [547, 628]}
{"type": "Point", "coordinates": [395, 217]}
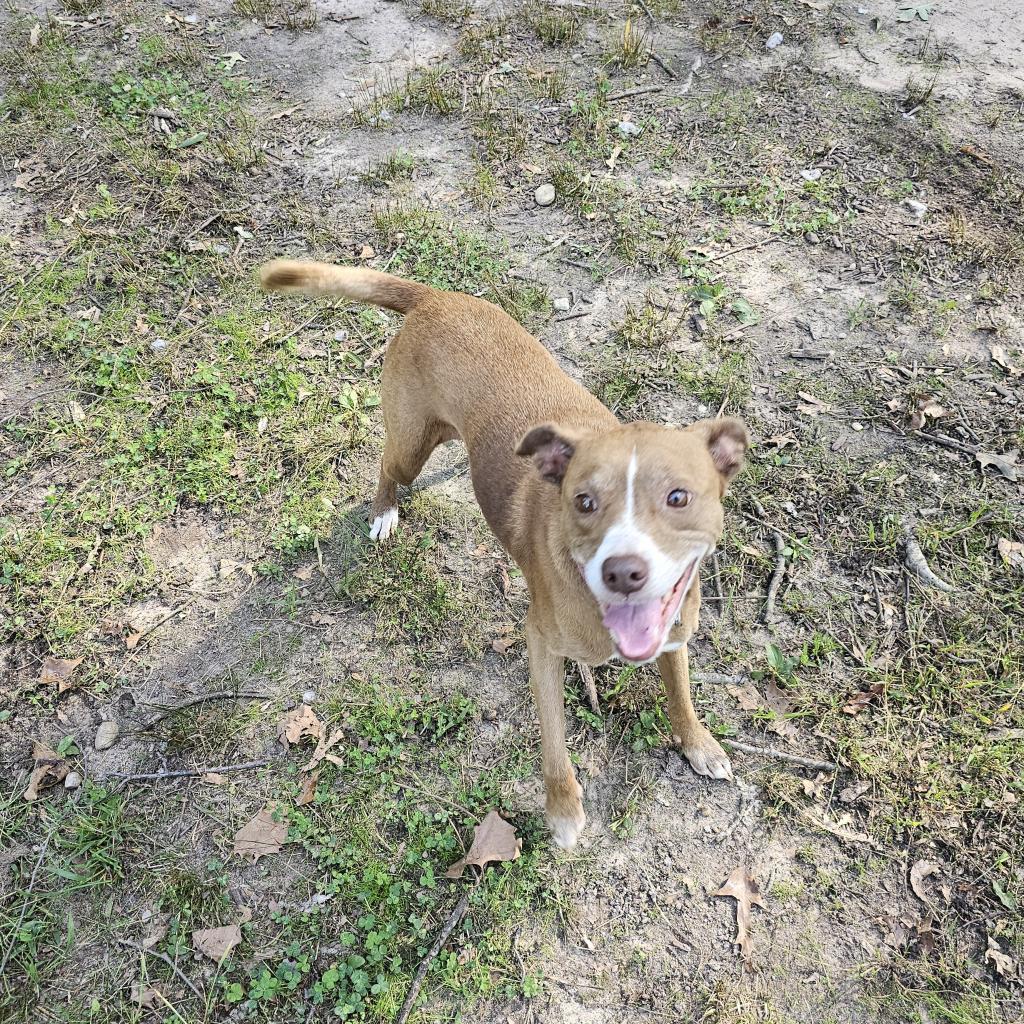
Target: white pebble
{"type": "Point", "coordinates": [775, 39]}
{"type": "Point", "coordinates": [308, 696]}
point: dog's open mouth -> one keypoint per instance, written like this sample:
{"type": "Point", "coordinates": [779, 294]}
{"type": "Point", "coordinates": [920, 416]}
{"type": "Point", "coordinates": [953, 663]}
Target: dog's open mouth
{"type": "Point", "coordinates": [639, 629]}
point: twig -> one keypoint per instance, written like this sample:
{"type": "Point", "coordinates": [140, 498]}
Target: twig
{"type": "Point", "coordinates": [719, 678]}
{"type": "Point", "coordinates": [719, 593]}
{"type": "Point", "coordinates": [743, 248]}
{"type": "Point", "coordinates": [589, 683]}
{"type": "Point", "coordinates": [768, 612]}
{"type": "Point", "coordinates": [664, 67]}
{"type": "Point", "coordinates": [947, 442]}
{"type": "Point", "coordinates": [167, 960]}
{"type": "Point", "coordinates": [782, 755]}
{"type": "Point", "coordinates": [572, 316]}
{"type": "Point", "coordinates": [202, 699]}
{"type": "Point", "coordinates": [185, 773]}
{"type": "Point", "coordinates": [641, 91]}
{"type": "Point", "coordinates": [421, 972]}
{"type": "Point", "coordinates": [647, 11]}
{"type": "Point", "coordinates": [914, 560]}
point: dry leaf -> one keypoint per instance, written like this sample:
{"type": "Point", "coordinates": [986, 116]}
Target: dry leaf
{"type": "Point", "coordinates": [861, 700]}
{"type": "Point", "coordinates": [50, 769]}
{"type": "Point", "coordinates": [214, 779]}
{"type": "Point", "coordinates": [304, 573]}
{"type": "Point", "coordinates": [780, 705]}
{"type": "Point", "coordinates": [367, 252]}
{"type": "Point", "coordinates": [746, 696]}
{"type": "Point", "coordinates": [1004, 464]}
{"type": "Point", "coordinates": [502, 645]}
{"type": "Point", "coordinates": [742, 887]}
{"type": "Point", "coordinates": [131, 641]}
{"type": "Point", "coordinates": [287, 112]}
{"type": "Point", "coordinates": [324, 744]}
{"type": "Point", "coordinates": [263, 835]}
{"type": "Point", "coordinates": [217, 943]}
{"type": "Point", "coordinates": [811, 406]}
{"type": "Point", "coordinates": [918, 873]}
{"type": "Point", "coordinates": [852, 793]}
{"type": "Point", "coordinates": [308, 791]}
{"type": "Point", "coordinates": [34, 35]}
{"type": "Point", "coordinates": [145, 995]}
{"type": "Point", "coordinates": [297, 724]}
{"type": "Point", "coordinates": [494, 839]}
{"type": "Point", "coordinates": [58, 671]}
{"type": "Point", "coordinates": [157, 932]}
{"type": "Point", "coordinates": [1000, 358]}
{"type": "Point", "coordinates": [815, 788]}
{"type": "Point", "coordinates": [1012, 552]}
{"type": "Point", "coordinates": [1004, 964]}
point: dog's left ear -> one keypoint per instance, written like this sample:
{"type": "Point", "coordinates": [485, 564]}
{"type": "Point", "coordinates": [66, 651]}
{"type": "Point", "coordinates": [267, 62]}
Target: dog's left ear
{"type": "Point", "coordinates": [727, 441]}
{"type": "Point", "coordinates": [551, 448]}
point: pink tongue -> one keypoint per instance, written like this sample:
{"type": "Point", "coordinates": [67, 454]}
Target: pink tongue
{"type": "Point", "coordinates": [636, 628]}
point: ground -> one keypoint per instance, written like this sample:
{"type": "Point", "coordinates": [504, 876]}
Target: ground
{"type": "Point", "coordinates": [823, 237]}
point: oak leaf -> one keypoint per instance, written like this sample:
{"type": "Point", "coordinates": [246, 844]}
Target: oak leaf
{"type": "Point", "coordinates": [494, 839]}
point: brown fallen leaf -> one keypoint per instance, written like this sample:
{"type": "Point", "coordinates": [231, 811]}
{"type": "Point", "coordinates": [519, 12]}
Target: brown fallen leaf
{"type": "Point", "coordinates": [58, 671]}
{"type": "Point", "coordinates": [214, 779]}
{"type": "Point", "coordinates": [145, 995]}
{"type": "Point", "coordinates": [811, 405]}
{"type": "Point", "coordinates": [323, 747]}
{"type": "Point", "coordinates": [815, 788]}
{"type": "Point", "coordinates": [298, 724]}
{"type": "Point", "coordinates": [1006, 464]}
{"type": "Point", "coordinates": [262, 835]}
{"type": "Point", "coordinates": [50, 769]}
{"type": "Point", "coordinates": [304, 573]}
{"type": "Point", "coordinates": [1000, 358]}
{"type": "Point", "coordinates": [157, 931]}
{"type": "Point", "coordinates": [862, 699]}
{"type": "Point", "coordinates": [217, 943]}
{"type": "Point", "coordinates": [494, 839]}
{"type": "Point", "coordinates": [921, 870]}
{"type": "Point", "coordinates": [742, 887]}
{"type": "Point", "coordinates": [852, 793]}
{"type": "Point", "coordinates": [1012, 551]}
{"type": "Point", "coordinates": [780, 705]}
{"type": "Point", "coordinates": [308, 791]}
{"type": "Point", "coordinates": [1004, 964]}
{"type": "Point", "coordinates": [367, 252]}
{"type": "Point", "coordinates": [746, 696]}
{"type": "Point", "coordinates": [131, 641]}
{"type": "Point", "coordinates": [502, 644]}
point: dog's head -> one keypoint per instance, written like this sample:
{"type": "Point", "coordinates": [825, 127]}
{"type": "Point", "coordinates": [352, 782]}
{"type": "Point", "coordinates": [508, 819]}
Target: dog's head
{"type": "Point", "coordinates": [641, 505]}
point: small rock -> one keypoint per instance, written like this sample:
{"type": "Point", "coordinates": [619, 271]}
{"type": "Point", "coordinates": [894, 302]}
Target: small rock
{"type": "Point", "coordinates": [545, 194]}
{"type": "Point", "coordinates": [560, 303]}
{"type": "Point", "coordinates": [775, 39]}
{"type": "Point", "coordinates": [72, 780]}
{"type": "Point", "coordinates": [341, 335]}
{"type": "Point", "coordinates": [106, 735]}
{"type": "Point", "coordinates": [308, 696]}
{"type": "Point", "coordinates": [811, 238]}
{"type": "Point", "coordinates": [916, 207]}
{"type": "Point", "coordinates": [628, 128]}
{"type": "Point", "coordinates": [158, 345]}
{"type": "Point", "coordinates": [489, 715]}
{"type": "Point", "coordinates": [191, 19]}
{"type": "Point", "coordinates": [811, 174]}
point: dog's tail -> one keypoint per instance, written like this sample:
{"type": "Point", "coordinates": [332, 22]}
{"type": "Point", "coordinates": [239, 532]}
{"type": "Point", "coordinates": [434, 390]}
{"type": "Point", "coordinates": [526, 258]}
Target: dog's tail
{"type": "Point", "coordinates": [353, 282]}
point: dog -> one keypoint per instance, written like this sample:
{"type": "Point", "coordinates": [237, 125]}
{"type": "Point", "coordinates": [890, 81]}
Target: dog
{"type": "Point", "coordinates": [609, 522]}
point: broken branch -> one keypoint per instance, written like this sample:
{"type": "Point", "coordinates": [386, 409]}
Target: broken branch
{"type": "Point", "coordinates": [915, 561]}
{"type": "Point", "coordinates": [782, 755]}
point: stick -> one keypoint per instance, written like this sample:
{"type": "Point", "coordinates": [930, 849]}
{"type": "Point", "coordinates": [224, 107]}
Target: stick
{"type": "Point", "coordinates": [572, 316]}
{"type": "Point", "coordinates": [914, 560]}
{"type": "Point", "coordinates": [664, 67]}
{"type": "Point", "coordinates": [642, 91]}
{"type": "Point", "coordinates": [782, 755]}
{"type": "Point", "coordinates": [202, 698]}
{"type": "Point", "coordinates": [742, 248]}
{"type": "Point", "coordinates": [167, 960]}
{"type": "Point", "coordinates": [768, 612]}
{"type": "Point", "coordinates": [947, 442]}
{"type": "Point", "coordinates": [591, 686]}
{"type": "Point", "coordinates": [647, 11]}
{"type": "Point", "coordinates": [421, 972]}
{"type": "Point", "coordinates": [28, 893]}
{"type": "Point", "coordinates": [185, 773]}
{"type": "Point", "coordinates": [719, 678]}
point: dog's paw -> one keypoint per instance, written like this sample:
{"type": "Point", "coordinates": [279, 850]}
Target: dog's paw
{"type": "Point", "coordinates": [384, 525]}
{"type": "Point", "coordinates": [566, 819]}
{"type": "Point", "coordinates": [707, 757]}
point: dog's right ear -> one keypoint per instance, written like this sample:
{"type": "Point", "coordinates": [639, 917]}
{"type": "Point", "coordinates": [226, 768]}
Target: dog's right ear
{"type": "Point", "coordinates": [551, 447]}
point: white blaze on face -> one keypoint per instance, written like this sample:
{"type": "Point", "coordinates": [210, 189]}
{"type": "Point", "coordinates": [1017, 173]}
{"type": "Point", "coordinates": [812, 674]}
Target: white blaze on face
{"type": "Point", "coordinates": [640, 622]}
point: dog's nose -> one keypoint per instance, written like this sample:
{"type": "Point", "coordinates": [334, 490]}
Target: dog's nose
{"type": "Point", "coordinates": [625, 574]}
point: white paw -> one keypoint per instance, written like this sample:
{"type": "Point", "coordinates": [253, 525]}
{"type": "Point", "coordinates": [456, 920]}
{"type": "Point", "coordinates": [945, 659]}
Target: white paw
{"type": "Point", "coordinates": [384, 525]}
{"type": "Point", "coordinates": [708, 758]}
{"type": "Point", "coordinates": [565, 831]}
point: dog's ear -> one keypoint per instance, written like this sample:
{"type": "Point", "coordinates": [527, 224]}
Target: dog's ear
{"type": "Point", "coordinates": [551, 447]}
{"type": "Point", "coordinates": [727, 441]}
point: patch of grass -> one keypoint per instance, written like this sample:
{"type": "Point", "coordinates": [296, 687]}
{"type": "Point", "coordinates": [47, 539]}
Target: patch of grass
{"type": "Point", "coordinates": [436, 90]}
{"type": "Point", "coordinates": [296, 15]}
{"type": "Point", "coordinates": [632, 47]}
{"type": "Point", "coordinates": [553, 25]}
{"type": "Point", "coordinates": [397, 166]}
{"type": "Point", "coordinates": [452, 12]}
{"type": "Point", "coordinates": [443, 255]}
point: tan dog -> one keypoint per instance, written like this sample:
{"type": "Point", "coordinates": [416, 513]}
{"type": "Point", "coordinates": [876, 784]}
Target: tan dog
{"type": "Point", "coordinates": [609, 524]}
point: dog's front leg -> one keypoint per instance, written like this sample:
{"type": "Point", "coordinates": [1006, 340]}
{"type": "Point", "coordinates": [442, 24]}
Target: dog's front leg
{"type": "Point", "coordinates": [547, 680]}
{"type": "Point", "coordinates": [702, 750]}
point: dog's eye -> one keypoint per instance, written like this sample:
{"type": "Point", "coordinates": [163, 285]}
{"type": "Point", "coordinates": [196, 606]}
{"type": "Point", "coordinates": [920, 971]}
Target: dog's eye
{"type": "Point", "coordinates": [678, 499]}
{"type": "Point", "coordinates": [585, 504]}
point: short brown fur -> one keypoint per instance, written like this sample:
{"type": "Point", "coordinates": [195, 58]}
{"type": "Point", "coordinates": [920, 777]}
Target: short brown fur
{"type": "Point", "coordinates": [462, 368]}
